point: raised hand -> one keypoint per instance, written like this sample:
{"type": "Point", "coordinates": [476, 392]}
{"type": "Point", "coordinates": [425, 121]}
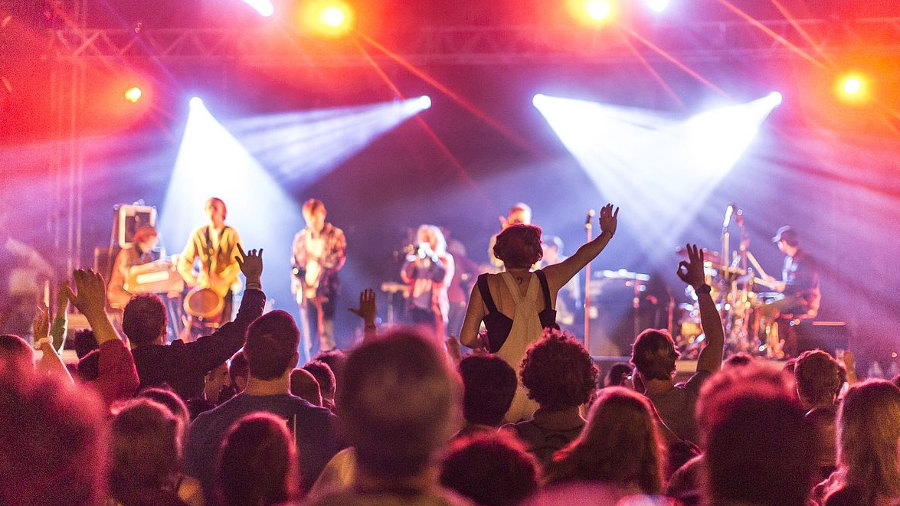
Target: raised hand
{"type": "Point", "coordinates": [41, 325]}
{"type": "Point", "coordinates": [691, 272]}
{"type": "Point", "coordinates": [91, 295]}
{"type": "Point", "coordinates": [367, 308]}
{"type": "Point", "coordinates": [62, 298]}
{"type": "Point", "coordinates": [609, 219]}
{"type": "Point", "coordinates": [251, 262]}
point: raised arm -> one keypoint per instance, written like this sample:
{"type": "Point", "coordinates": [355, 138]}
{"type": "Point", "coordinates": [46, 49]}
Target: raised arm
{"type": "Point", "coordinates": [61, 322]}
{"type": "Point", "coordinates": [118, 378]}
{"type": "Point", "coordinates": [367, 311]}
{"type": "Point", "coordinates": [90, 299]}
{"type": "Point", "coordinates": [560, 274]}
{"type": "Point", "coordinates": [210, 351]}
{"type": "Point", "coordinates": [50, 360]}
{"type": "Point", "coordinates": [691, 272]}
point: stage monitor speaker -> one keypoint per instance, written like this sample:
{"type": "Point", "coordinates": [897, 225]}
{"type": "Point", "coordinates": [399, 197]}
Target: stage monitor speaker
{"type": "Point", "coordinates": [129, 218]}
{"type": "Point", "coordinates": [824, 335]}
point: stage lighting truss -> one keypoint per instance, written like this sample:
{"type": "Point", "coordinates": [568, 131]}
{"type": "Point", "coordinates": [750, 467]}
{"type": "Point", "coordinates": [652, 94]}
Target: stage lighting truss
{"type": "Point", "coordinates": [469, 45]}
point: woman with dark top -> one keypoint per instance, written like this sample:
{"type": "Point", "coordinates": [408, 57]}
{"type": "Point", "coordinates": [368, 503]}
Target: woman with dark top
{"type": "Point", "coordinates": [516, 305]}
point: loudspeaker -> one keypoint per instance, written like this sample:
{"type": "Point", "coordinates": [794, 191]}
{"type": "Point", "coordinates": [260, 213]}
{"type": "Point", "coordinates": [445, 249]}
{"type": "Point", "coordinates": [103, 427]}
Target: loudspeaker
{"type": "Point", "coordinates": [129, 218]}
{"type": "Point", "coordinates": [823, 335]}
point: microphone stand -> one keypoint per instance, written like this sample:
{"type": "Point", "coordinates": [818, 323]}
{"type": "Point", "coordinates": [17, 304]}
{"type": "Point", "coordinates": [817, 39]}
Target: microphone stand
{"type": "Point", "coordinates": [587, 285]}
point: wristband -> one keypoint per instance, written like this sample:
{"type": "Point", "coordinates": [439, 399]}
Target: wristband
{"type": "Point", "coordinates": [703, 289]}
{"type": "Point", "coordinates": [254, 286]}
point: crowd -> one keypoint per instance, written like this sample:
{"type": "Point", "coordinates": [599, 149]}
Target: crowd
{"type": "Point", "coordinates": [235, 418]}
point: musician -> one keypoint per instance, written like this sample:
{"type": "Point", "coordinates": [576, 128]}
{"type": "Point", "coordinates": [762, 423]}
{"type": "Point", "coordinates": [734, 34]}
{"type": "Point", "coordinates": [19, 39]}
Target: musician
{"type": "Point", "coordinates": [319, 252]}
{"type": "Point", "coordinates": [139, 253]}
{"type": "Point", "coordinates": [429, 270]}
{"type": "Point", "coordinates": [799, 284]}
{"type": "Point", "coordinates": [519, 214]}
{"type": "Point", "coordinates": [215, 245]}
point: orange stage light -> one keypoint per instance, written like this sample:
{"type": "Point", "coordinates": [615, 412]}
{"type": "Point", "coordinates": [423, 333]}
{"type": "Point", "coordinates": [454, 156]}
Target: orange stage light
{"type": "Point", "coordinates": [330, 18]}
{"type": "Point", "coordinates": [852, 87]}
{"type": "Point", "coordinates": [133, 94]}
{"type": "Point", "coordinates": [593, 12]}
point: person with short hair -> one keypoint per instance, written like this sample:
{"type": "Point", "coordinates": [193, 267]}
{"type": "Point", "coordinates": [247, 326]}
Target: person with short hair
{"type": "Point", "coordinates": [490, 468]}
{"type": "Point", "coordinates": [257, 464]}
{"type": "Point", "coordinates": [489, 384]}
{"type": "Point", "coordinates": [325, 377]}
{"type": "Point", "coordinates": [140, 252]}
{"type": "Point", "coordinates": [318, 253]}
{"type": "Point", "coordinates": [653, 355]}
{"type": "Point", "coordinates": [746, 459]}
{"type": "Point", "coordinates": [305, 386]}
{"type": "Point", "coordinates": [181, 365]}
{"type": "Point", "coordinates": [399, 404]}
{"type": "Point", "coordinates": [54, 440]}
{"type": "Point", "coordinates": [216, 246]}
{"type": "Point", "coordinates": [146, 457]}
{"type": "Point", "coordinates": [271, 351]}
{"type": "Point", "coordinates": [239, 371]}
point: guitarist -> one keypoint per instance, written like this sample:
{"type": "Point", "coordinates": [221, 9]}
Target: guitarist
{"type": "Point", "coordinates": [319, 251]}
{"type": "Point", "coordinates": [216, 245]}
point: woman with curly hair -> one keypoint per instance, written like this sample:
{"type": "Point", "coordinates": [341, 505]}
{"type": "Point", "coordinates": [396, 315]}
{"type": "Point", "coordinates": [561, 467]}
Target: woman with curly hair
{"type": "Point", "coordinates": [620, 445]}
{"type": "Point", "coordinates": [517, 304]}
{"type": "Point", "coordinates": [868, 426]}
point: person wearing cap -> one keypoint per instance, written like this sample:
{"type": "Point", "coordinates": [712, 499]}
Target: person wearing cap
{"type": "Point", "coordinates": [138, 253]}
{"type": "Point", "coordinates": [799, 282]}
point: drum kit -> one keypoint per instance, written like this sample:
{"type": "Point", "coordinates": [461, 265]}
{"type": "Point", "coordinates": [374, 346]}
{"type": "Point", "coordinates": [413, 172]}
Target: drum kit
{"type": "Point", "coordinates": [746, 311]}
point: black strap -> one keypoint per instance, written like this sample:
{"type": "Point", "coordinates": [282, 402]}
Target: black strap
{"type": "Point", "coordinates": [486, 293]}
{"type": "Point", "coordinates": [544, 288]}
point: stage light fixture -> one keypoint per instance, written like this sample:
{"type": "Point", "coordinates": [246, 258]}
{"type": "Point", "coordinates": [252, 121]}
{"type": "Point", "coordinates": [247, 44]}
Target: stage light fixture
{"type": "Point", "coordinates": [424, 102]}
{"type": "Point", "coordinates": [263, 7]}
{"type": "Point", "coordinates": [331, 18]}
{"type": "Point", "coordinates": [853, 88]}
{"type": "Point", "coordinates": [196, 102]}
{"type": "Point", "coordinates": [133, 94]}
{"type": "Point", "coordinates": [657, 6]}
{"type": "Point", "coordinates": [593, 12]}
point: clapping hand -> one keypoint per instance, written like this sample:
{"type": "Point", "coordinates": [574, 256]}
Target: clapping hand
{"type": "Point", "coordinates": [367, 308]}
{"type": "Point", "coordinates": [691, 272]}
{"type": "Point", "coordinates": [251, 262]}
{"type": "Point", "coordinates": [609, 219]}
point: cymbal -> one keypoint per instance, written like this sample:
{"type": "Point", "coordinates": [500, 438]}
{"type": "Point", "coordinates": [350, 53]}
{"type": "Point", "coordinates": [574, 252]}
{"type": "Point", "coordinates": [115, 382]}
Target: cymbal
{"type": "Point", "coordinates": [708, 254]}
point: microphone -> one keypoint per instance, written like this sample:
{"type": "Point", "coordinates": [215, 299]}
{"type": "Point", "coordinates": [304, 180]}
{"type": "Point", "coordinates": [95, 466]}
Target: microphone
{"type": "Point", "coordinates": [728, 213]}
{"type": "Point", "coordinates": [590, 218]}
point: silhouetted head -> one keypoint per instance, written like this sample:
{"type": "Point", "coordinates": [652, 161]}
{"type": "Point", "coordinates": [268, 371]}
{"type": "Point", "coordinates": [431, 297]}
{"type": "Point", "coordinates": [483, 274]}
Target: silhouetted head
{"type": "Point", "coordinates": [144, 319]}
{"type": "Point", "coordinates": [558, 372]}
{"type": "Point", "coordinates": [271, 346]}
{"type": "Point", "coordinates": [519, 246]}
{"type": "Point", "coordinates": [489, 384]}
{"type": "Point", "coordinates": [654, 355]}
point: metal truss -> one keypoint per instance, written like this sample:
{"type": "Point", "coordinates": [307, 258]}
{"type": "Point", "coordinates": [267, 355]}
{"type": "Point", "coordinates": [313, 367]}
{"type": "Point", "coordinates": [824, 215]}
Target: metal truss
{"type": "Point", "coordinates": [277, 45]}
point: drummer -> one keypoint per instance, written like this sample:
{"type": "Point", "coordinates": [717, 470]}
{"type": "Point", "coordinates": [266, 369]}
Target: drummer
{"type": "Point", "coordinates": [215, 245]}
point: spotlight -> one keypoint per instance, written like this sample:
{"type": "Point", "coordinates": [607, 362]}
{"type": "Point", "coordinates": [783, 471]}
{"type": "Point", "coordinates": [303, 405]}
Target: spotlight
{"type": "Point", "coordinates": [332, 18]}
{"type": "Point", "coordinates": [424, 102]}
{"type": "Point", "coordinates": [263, 7]}
{"type": "Point", "coordinates": [852, 88]}
{"type": "Point", "coordinates": [133, 94]}
{"type": "Point", "coordinates": [538, 100]}
{"type": "Point", "coordinates": [657, 6]}
{"type": "Point", "coordinates": [196, 102]}
{"type": "Point", "coordinates": [593, 12]}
